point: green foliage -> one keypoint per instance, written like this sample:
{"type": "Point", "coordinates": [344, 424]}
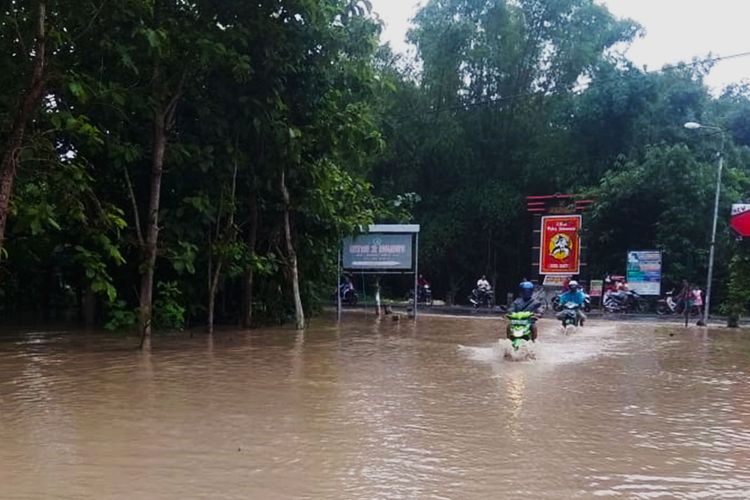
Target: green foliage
{"type": "Point", "coordinates": [183, 256]}
{"type": "Point", "coordinates": [527, 98]}
{"type": "Point", "coordinates": [507, 99]}
{"type": "Point", "coordinates": [120, 317]}
{"type": "Point", "coordinates": [738, 297]}
{"type": "Point", "coordinates": [169, 313]}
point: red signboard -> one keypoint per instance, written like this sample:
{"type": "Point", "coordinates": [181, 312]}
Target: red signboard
{"type": "Point", "coordinates": [741, 220]}
{"type": "Point", "coordinates": [560, 245]}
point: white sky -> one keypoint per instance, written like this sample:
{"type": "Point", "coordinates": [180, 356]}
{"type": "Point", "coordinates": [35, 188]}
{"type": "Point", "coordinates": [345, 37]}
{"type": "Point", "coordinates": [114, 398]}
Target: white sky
{"type": "Point", "coordinates": [676, 30]}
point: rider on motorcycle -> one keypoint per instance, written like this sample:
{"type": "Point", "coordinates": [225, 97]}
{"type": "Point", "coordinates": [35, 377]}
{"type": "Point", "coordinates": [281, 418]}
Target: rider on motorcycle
{"type": "Point", "coordinates": [423, 287]}
{"type": "Point", "coordinates": [525, 302]}
{"type": "Point", "coordinates": [482, 293]}
{"type": "Point", "coordinates": [345, 286]}
{"type": "Point", "coordinates": [576, 296]}
{"type": "Point", "coordinates": [483, 285]}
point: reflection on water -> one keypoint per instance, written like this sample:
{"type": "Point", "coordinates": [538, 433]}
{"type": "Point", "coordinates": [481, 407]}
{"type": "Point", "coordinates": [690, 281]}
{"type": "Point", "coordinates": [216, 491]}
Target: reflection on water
{"type": "Point", "coordinates": [377, 409]}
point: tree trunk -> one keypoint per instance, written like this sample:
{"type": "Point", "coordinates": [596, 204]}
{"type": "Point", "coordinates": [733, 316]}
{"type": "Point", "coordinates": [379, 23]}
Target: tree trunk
{"type": "Point", "coordinates": [152, 229]}
{"type": "Point", "coordinates": [226, 236]}
{"type": "Point", "coordinates": [89, 307]}
{"type": "Point", "coordinates": [299, 313]}
{"type": "Point", "coordinates": [27, 103]}
{"type": "Point", "coordinates": [213, 285]}
{"type": "Point", "coordinates": [252, 238]}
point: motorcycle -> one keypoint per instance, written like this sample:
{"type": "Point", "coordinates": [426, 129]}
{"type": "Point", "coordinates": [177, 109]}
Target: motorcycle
{"type": "Point", "coordinates": [519, 330]}
{"type": "Point", "coordinates": [485, 298]}
{"type": "Point", "coordinates": [348, 295]}
{"type": "Point", "coordinates": [624, 302]}
{"type": "Point", "coordinates": [424, 295]}
{"type": "Point", "coordinates": [586, 303]}
{"type": "Point", "coordinates": [570, 315]}
{"type": "Point", "coordinates": [669, 305]}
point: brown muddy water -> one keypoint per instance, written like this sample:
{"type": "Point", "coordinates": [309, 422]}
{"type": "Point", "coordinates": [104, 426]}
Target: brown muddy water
{"type": "Point", "coordinates": [377, 409]}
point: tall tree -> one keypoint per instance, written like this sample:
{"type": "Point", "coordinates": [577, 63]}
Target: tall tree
{"type": "Point", "coordinates": [28, 98]}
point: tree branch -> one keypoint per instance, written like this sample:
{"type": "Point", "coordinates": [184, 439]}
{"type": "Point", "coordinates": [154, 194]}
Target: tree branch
{"type": "Point", "coordinates": [134, 203]}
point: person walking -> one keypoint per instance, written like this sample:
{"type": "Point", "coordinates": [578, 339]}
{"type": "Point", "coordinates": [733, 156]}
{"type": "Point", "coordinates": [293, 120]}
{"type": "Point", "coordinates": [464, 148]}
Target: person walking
{"type": "Point", "coordinates": [697, 296]}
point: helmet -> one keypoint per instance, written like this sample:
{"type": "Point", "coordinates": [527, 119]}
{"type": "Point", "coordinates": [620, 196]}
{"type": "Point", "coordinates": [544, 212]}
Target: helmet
{"type": "Point", "coordinates": [527, 289]}
{"type": "Point", "coordinates": [573, 285]}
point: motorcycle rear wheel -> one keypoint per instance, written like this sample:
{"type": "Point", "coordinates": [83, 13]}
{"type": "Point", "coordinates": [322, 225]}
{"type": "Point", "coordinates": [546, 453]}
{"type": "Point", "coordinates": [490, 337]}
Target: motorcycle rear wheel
{"type": "Point", "coordinates": [662, 309]}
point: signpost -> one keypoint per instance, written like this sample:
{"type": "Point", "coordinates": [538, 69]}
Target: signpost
{"type": "Point", "coordinates": [740, 222]}
{"type": "Point", "coordinates": [378, 251]}
{"type": "Point", "coordinates": [560, 246]}
{"type": "Point", "coordinates": [644, 272]}
{"type": "Point", "coordinates": [382, 249]}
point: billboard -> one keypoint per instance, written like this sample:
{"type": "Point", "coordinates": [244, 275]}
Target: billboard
{"type": "Point", "coordinates": [560, 248]}
{"type": "Point", "coordinates": [741, 219]}
{"type": "Point", "coordinates": [378, 251]}
{"type": "Point", "coordinates": [644, 272]}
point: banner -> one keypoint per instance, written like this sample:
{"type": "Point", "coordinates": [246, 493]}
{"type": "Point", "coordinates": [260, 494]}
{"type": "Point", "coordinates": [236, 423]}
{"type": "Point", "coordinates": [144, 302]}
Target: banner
{"type": "Point", "coordinates": [644, 272]}
{"type": "Point", "coordinates": [378, 251]}
{"type": "Point", "coordinates": [560, 251]}
{"type": "Point", "coordinates": [555, 281]}
{"type": "Point", "coordinates": [741, 219]}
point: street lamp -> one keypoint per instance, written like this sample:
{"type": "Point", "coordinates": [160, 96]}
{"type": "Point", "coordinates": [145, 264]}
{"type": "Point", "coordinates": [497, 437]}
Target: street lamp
{"type": "Point", "coordinates": [696, 126]}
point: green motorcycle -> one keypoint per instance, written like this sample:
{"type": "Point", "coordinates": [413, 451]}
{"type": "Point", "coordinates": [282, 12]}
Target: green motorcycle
{"type": "Point", "coordinates": [519, 328]}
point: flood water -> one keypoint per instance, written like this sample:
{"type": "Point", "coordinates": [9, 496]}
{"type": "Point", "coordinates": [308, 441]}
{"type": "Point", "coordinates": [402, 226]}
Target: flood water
{"type": "Point", "coordinates": [377, 409]}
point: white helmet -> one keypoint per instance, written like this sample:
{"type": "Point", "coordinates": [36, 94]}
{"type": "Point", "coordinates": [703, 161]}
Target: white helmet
{"type": "Point", "coordinates": [573, 284]}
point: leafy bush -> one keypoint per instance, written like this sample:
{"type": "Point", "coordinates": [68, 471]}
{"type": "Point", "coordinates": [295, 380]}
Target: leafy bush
{"type": "Point", "coordinates": [169, 313]}
{"type": "Point", "coordinates": [120, 317]}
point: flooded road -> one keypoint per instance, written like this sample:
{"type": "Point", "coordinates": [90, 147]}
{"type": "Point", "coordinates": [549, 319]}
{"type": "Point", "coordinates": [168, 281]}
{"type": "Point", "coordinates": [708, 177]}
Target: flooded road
{"type": "Point", "coordinates": [377, 409]}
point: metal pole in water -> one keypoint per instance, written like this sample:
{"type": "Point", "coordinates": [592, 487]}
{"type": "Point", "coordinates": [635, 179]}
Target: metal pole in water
{"type": "Point", "coordinates": [338, 285]}
{"type": "Point", "coordinates": [416, 275]}
{"type": "Point", "coordinates": [707, 305]}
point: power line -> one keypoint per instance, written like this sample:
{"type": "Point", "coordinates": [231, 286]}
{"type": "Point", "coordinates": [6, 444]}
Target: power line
{"type": "Point", "coordinates": [599, 82]}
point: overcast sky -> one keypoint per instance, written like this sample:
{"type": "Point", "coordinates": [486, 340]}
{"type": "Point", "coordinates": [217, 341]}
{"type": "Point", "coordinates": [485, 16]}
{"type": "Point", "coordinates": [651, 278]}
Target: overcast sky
{"type": "Point", "coordinates": [676, 30]}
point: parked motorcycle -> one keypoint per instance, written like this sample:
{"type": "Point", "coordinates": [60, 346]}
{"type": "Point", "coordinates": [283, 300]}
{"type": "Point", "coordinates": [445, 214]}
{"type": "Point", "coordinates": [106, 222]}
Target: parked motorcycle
{"type": "Point", "coordinates": [668, 305]}
{"type": "Point", "coordinates": [623, 302]}
{"type": "Point", "coordinates": [482, 298]}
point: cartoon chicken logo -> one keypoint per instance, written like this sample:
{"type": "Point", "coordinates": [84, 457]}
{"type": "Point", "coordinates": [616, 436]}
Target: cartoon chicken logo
{"type": "Point", "coordinates": [560, 247]}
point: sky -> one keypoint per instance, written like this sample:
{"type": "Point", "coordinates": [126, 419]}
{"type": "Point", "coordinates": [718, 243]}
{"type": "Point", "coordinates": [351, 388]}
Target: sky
{"type": "Point", "coordinates": [676, 30]}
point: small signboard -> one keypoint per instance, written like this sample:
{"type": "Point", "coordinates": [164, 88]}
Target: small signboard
{"type": "Point", "coordinates": [596, 288]}
{"type": "Point", "coordinates": [740, 222]}
{"type": "Point", "coordinates": [644, 272]}
{"type": "Point", "coordinates": [560, 249]}
{"type": "Point", "coordinates": [555, 281]}
{"type": "Point", "coordinates": [378, 251]}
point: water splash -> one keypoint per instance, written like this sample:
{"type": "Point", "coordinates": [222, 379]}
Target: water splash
{"type": "Point", "coordinates": [555, 346]}
{"type": "Point", "coordinates": [526, 350]}
{"type": "Point", "coordinates": [501, 350]}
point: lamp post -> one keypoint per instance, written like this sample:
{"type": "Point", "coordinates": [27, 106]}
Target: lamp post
{"type": "Point", "coordinates": [696, 126]}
